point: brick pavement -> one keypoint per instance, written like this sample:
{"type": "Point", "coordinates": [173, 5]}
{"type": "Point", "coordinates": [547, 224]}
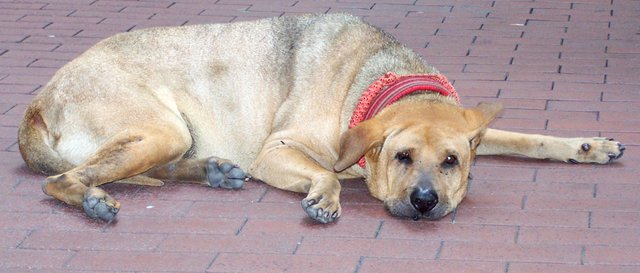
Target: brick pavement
{"type": "Point", "coordinates": [560, 67]}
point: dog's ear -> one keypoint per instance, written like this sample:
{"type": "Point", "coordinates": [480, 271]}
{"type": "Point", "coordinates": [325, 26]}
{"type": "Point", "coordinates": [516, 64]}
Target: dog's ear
{"type": "Point", "coordinates": [357, 141]}
{"type": "Point", "coordinates": [479, 117]}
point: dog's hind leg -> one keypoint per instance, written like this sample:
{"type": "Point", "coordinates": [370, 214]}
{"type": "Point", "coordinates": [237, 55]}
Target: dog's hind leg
{"type": "Point", "coordinates": [575, 150]}
{"type": "Point", "coordinates": [213, 172]}
{"type": "Point", "coordinates": [124, 155]}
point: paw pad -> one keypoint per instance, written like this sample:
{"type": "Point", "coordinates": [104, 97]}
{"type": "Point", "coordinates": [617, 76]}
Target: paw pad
{"type": "Point", "coordinates": [97, 207]}
{"type": "Point", "coordinates": [224, 174]}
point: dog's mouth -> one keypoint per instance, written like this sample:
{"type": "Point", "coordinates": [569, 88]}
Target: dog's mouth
{"type": "Point", "coordinates": [404, 208]}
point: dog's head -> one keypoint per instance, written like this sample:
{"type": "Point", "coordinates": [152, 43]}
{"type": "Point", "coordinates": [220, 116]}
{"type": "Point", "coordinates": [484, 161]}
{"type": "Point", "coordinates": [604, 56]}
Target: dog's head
{"type": "Point", "coordinates": [418, 154]}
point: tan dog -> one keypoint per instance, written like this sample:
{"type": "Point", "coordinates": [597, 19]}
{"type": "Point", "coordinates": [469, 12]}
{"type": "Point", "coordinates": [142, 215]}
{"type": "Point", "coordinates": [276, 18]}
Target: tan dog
{"type": "Point", "coordinates": [273, 97]}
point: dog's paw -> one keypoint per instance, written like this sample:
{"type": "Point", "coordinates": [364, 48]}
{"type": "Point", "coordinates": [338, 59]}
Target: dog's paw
{"type": "Point", "coordinates": [97, 204]}
{"type": "Point", "coordinates": [224, 174]}
{"type": "Point", "coordinates": [322, 208]}
{"type": "Point", "coordinates": [596, 150]}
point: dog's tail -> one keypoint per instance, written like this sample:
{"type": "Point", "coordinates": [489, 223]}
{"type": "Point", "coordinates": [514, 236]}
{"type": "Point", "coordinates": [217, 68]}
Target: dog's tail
{"type": "Point", "coordinates": [34, 144]}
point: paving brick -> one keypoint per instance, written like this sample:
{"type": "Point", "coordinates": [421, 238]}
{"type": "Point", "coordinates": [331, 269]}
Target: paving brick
{"type": "Point", "coordinates": [12, 238]}
{"type": "Point", "coordinates": [231, 262]}
{"type": "Point", "coordinates": [192, 243]}
{"type": "Point", "coordinates": [446, 231]}
{"type": "Point", "coordinates": [518, 174]}
{"type": "Point", "coordinates": [618, 255]}
{"type": "Point", "coordinates": [484, 187]}
{"type": "Point", "coordinates": [510, 252]}
{"type": "Point", "coordinates": [251, 191]}
{"type": "Point", "coordinates": [615, 219]}
{"type": "Point", "coordinates": [434, 266]}
{"type": "Point", "coordinates": [242, 210]}
{"type": "Point", "coordinates": [91, 240]}
{"type": "Point", "coordinates": [501, 216]}
{"type": "Point", "coordinates": [397, 248]}
{"type": "Point", "coordinates": [618, 191]}
{"type": "Point", "coordinates": [358, 228]}
{"type": "Point", "coordinates": [177, 225]}
{"type": "Point", "coordinates": [578, 236]}
{"type": "Point", "coordinates": [137, 261]}
{"type": "Point", "coordinates": [587, 175]}
{"type": "Point", "coordinates": [16, 260]}
{"type": "Point", "coordinates": [537, 201]}
{"type": "Point", "coordinates": [544, 115]}
{"type": "Point", "coordinates": [508, 103]}
{"type": "Point", "coordinates": [569, 268]}
{"type": "Point", "coordinates": [566, 68]}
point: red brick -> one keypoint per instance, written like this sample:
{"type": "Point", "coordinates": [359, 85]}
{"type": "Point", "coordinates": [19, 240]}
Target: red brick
{"type": "Point", "coordinates": [436, 60]}
{"type": "Point", "coordinates": [12, 238]}
{"type": "Point", "coordinates": [243, 210]}
{"type": "Point", "coordinates": [88, 240]}
{"type": "Point", "coordinates": [229, 243]}
{"type": "Point", "coordinates": [501, 216]}
{"type": "Point", "coordinates": [615, 219]}
{"type": "Point", "coordinates": [151, 207]}
{"type": "Point", "coordinates": [75, 221]}
{"type": "Point", "coordinates": [578, 236]}
{"type": "Point", "coordinates": [431, 266]}
{"type": "Point", "coordinates": [598, 174]}
{"type": "Point", "coordinates": [445, 230]}
{"type": "Point", "coordinates": [27, 203]}
{"type": "Point", "coordinates": [618, 255]}
{"type": "Point", "coordinates": [231, 262]}
{"type": "Point", "coordinates": [176, 225]}
{"type": "Point", "coordinates": [508, 103]}
{"type": "Point", "coordinates": [354, 210]}
{"type": "Point", "coordinates": [614, 94]}
{"type": "Point", "coordinates": [251, 191]}
{"type": "Point", "coordinates": [537, 201]}
{"type": "Point", "coordinates": [518, 124]}
{"type": "Point", "coordinates": [17, 88]}
{"type": "Point", "coordinates": [138, 261]}
{"type": "Point", "coordinates": [510, 252]}
{"type": "Point", "coordinates": [389, 248]}
{"type": "Point", "coordinates": [494, 173]}
{"type": "Point", "coordinates": [556, 77]}
{"type": "Point", "coordinates": [544, 115]}
{"type": "Point", "coordinates": [358, 228]}
{"type": "Point", "coordinates": [618, 191]}
{"type": "Point", "coordinates": [17, 260]}
{"type": "Point", "coordinates": [579, 95]}
{"type": "Point", "coordinates": [569, 268]}
{"type": "Point", "coordinates": [578, 190]}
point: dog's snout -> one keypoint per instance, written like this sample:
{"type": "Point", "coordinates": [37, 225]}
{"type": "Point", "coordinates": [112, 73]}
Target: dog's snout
{"type": "Point", "coordinates": [424, 199]}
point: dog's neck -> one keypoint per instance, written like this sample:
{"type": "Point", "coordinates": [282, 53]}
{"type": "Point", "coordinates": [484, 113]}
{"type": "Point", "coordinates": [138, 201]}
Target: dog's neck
{"type": "Point", "coordinates": [390, 88]}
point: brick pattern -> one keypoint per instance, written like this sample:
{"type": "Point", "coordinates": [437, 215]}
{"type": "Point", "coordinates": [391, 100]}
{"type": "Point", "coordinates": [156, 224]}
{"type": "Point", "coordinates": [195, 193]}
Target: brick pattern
{"type": "Point", "coordinates": [560, 67]}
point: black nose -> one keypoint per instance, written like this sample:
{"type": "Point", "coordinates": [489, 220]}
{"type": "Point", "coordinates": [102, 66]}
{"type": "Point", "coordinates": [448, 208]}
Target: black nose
{"type": "Point", "coordinates": [424, 200]}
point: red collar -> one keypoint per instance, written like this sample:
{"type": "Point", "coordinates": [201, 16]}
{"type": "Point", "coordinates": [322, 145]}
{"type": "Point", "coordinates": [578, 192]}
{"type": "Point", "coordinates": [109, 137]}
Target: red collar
{"type": "Point", "coordinates": [390, 87]}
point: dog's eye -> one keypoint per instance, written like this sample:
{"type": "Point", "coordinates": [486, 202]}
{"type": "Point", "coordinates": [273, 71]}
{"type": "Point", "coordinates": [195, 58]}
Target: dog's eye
{"type": "Point", "coordinates": [450, 161]}
{"type": "Point", "coordinates": [404, 157]}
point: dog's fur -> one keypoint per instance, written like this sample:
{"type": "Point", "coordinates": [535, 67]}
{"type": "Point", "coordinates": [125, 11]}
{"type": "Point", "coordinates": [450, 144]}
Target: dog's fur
{"type": "Point", "coordinates": [269, 99]}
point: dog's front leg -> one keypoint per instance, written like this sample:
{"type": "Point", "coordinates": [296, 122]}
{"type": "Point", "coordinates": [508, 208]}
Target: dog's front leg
{"type": "Point", "coordinates": [575, 150]}
{"type": "Point", "coordinates": [290, 169]}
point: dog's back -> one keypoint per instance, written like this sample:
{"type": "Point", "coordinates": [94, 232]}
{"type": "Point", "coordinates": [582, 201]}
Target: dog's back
{"type": "Point", "coordinates": [229, 84]}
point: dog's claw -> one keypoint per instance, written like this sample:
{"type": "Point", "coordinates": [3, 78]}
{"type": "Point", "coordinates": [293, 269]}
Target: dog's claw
{"type": "Point", "coordinates": [98, 205]}
{"type": "Point", "coordinates": [596, 150]}
{"type": "Point", "coordinates": [224, 174]}
{"type": "Point", "coordinates": [317, 213]}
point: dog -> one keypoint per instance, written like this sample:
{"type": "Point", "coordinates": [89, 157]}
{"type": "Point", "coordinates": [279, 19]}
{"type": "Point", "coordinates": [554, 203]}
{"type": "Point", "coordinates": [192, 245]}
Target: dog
{"type": "Point", "coordinates": [296, 102]}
